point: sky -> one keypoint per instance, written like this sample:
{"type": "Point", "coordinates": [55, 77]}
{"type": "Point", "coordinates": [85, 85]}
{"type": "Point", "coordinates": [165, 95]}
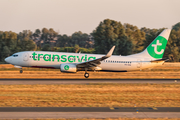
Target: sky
{"type": "Point", "coordinates": [69, 16]}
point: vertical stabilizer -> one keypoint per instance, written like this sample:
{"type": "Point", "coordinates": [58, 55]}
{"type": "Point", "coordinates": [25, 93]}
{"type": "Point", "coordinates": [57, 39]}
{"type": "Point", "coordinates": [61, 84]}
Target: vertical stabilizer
{"type": "Point", "coordinates": [157, 47]}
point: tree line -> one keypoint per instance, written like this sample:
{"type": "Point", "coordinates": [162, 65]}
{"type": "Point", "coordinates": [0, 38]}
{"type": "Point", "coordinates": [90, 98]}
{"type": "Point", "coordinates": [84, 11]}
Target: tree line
{"type": "Point", "coordinates": [127, 38]}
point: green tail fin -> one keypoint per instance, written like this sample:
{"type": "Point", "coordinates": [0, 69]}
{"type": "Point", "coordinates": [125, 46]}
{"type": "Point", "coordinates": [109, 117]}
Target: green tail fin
{"type": "Point", "coordinates": [157, 47]}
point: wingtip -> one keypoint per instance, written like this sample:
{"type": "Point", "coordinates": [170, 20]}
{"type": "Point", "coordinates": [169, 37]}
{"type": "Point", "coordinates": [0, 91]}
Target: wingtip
{"type": "Point", "coordinates": [110, 52]}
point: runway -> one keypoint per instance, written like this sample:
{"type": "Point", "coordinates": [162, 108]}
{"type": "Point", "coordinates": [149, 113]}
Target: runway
{"type": "Point", "coordinates": [83, 81]}
{"type": "Point", "coordinates": [88, 112]}
{"type": "Point", "coordinates": [89, 115]}
{"type": "Point", "coordinates": [89, 109]}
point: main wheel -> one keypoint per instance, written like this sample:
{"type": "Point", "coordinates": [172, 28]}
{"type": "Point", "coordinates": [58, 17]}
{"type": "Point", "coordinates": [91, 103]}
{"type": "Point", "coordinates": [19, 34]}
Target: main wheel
{"type": "Point", "coordinates": [86, 75]}
{"type": "Point", "coordinates": [21, 71]}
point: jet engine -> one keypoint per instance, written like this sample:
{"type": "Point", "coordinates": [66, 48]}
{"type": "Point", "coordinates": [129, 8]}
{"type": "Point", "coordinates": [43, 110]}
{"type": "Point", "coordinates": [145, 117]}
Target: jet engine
{"type": "Point", "coordinates": [67, 67]}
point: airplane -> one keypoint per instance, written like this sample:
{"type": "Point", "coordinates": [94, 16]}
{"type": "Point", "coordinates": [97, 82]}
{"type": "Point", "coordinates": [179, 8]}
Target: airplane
{"type": "Point", "coordinates": [74, 62]}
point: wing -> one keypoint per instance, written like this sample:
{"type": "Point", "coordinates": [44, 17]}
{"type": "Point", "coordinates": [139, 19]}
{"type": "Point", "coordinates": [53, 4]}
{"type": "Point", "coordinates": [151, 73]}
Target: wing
{"type": "Point", "coordinates": [96, 62]}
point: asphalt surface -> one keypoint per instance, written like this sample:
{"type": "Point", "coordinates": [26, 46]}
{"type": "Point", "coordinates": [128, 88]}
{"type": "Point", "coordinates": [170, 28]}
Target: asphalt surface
{"type": "Point", "coordinates": [89, 115]}
{"type": "Point", "coordinates": [91, 112]}
{"type": "Point", "coordinates": [89, 109]}
{"type": "Point", "coordinates": [83, 81]}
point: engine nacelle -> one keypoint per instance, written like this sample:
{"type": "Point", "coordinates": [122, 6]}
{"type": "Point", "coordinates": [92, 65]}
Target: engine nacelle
{"type": "Point", "coordinates": [68, 67]}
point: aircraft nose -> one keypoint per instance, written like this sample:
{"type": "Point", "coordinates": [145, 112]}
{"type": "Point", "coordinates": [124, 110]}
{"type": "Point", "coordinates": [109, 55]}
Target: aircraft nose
{"type": "Point", "coordinates": [8, 60]}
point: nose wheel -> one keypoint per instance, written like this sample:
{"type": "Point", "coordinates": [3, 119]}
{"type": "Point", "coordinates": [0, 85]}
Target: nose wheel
{"type": "Point", "coordinates": [86, 75]}
{"type": "Point", "coordinates": [21, 71]}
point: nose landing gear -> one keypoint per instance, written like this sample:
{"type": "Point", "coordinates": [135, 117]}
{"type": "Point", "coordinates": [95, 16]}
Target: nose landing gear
{"type": "Point", "coordinates": [21, 71]}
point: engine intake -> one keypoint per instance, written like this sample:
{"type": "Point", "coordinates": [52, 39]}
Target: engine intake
{"type": "Point", "coordinates": [68, 67]}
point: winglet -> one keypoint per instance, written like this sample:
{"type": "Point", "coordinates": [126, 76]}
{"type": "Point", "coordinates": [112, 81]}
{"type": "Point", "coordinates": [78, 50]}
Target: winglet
{"type": "Point", "coordinates": [110, 52]}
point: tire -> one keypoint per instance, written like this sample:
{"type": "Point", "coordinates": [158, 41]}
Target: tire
{"type": "Point", "coordinates": [86, 75]}
{"type": "Point", "coordinates": [21, 71]}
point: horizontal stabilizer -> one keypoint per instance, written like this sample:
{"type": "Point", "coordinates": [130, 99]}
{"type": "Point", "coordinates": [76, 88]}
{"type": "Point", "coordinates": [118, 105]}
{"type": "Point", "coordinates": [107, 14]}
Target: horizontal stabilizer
{"type": "Point", "coordinates": [160, 60]}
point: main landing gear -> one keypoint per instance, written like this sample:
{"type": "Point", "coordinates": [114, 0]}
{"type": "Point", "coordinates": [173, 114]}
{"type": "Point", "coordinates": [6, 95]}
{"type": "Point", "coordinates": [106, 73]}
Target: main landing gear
{"type": "Point", "coordinates": [86, 75]}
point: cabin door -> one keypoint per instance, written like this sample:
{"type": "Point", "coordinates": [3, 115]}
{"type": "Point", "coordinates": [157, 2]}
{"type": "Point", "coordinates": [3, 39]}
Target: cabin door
{"type": "Point", "coordinates": [139, 63]}
{"type": "Point", "coordinates": [25, 56]}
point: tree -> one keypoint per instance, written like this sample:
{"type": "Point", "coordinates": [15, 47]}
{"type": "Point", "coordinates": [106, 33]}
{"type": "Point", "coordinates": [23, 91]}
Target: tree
{"type": "Point", "coordinates": [136, 36]}
{"type": "Point", "coordinates": [46, 47]}
{"type": "Point", "coordinates": [63, 41]}
{"type": "Point", "coordinates": [52, 33]}
{"type": "Point", "coordinates": [124, 44]}
{"type": "Point", "coordinates": [150, 35]}
{"type": "Point", "coordinates": [27, 45]}
{"type": "Point", "coordinates": [45, 35]}
{"type": "Point", "coordinates": [109, 33]}
{"type": "Point", "coordinates": [6, 52]}
{"type": "Point", "coordinates": [76, 48]}
{"type": "Point", "coordinates": [37, 33]}
{"type": "Point", "coordinates": [173, 45]}
{"type": "Point", "coordinates": [176, 27]}
{"type": "Point", "coordinates": [81, 39]}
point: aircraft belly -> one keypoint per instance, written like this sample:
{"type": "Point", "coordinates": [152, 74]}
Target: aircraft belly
{"type": "Point", "coordinates": [118, 66]}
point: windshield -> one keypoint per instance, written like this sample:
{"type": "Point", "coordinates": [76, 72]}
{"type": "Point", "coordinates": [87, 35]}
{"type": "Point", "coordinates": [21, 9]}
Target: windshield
{"type": "Point", "coordinates": [15, 55]}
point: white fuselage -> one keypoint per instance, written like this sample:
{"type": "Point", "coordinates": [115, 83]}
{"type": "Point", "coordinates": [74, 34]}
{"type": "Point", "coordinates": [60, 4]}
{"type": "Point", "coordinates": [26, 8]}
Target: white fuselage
{"type": "Point", "coordinates": [44, 59]}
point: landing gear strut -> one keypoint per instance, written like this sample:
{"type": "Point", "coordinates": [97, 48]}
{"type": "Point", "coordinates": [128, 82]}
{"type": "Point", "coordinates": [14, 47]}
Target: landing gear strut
{"type": "Point", "coordinates": [86, 75]}
{"type": "Point", "coordinates": [21, 71]}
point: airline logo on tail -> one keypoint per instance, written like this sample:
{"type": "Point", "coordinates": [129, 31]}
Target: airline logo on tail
{"type": "Point", "coordinates": [157, 47]}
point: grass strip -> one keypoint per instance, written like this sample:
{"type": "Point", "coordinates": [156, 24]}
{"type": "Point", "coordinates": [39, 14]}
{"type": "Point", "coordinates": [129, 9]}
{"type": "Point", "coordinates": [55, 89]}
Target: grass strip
{"type": "Point", "coordinates": [91, 95]}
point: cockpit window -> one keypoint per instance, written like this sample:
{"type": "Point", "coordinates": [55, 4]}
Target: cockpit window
{"type": "Point", "coordinates": [15, 55]}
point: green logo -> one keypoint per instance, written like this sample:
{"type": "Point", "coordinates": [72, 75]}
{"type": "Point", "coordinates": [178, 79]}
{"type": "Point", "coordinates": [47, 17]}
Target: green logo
{"type": "Point", "coordinates": [66, 67]}
{"type": "Point", "coordinates": [157, 47]}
